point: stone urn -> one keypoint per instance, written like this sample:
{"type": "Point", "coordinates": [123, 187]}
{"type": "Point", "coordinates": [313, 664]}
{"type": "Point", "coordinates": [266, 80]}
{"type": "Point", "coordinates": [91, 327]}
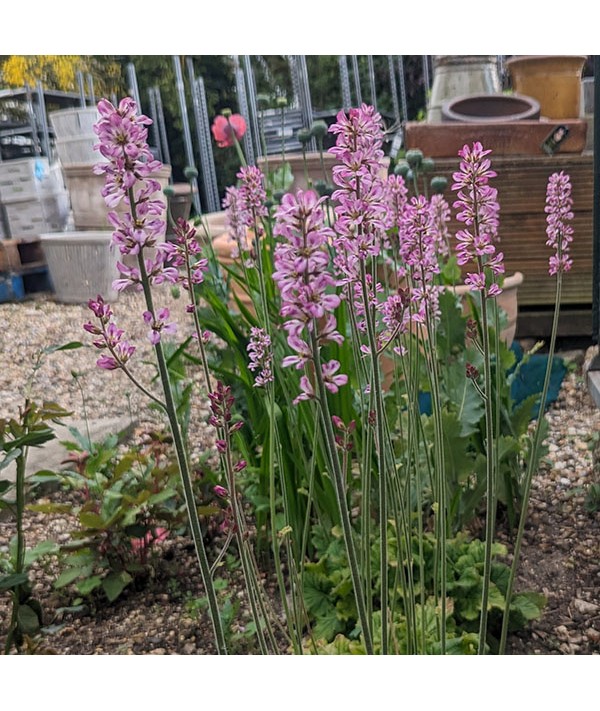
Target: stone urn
{"type": "Point", "coordinates": [461, 75]}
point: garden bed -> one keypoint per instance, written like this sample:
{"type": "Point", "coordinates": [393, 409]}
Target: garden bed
{"type": "Point", "coordinates": [164, 615]}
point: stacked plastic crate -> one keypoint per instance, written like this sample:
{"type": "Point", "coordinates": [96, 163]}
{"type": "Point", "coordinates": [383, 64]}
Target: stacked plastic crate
{"type": "Point", "coordinates": [33, 200]}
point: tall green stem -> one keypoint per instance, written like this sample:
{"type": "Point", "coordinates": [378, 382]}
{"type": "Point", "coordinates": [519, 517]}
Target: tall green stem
{"type": "Point", "coordinates": [490, 476]}
{"type": "Point", "coordinates": [533, 458]}
{"type": "Point", "coordinates": [340, 489]}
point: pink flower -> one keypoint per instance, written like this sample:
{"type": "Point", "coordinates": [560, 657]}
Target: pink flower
{"type": "Point", "coordinates": [332, 381]}
{"type": "Point", "coordinates": [261, 356]}
{"type": "Point", "coordinates": [559, 210]}
{"type": "Point", "coordinates": [224, 129]}
{"type": "Point", "coordinates": [478, 210]}
{"type": "Point", "coordinates": [159, 325]}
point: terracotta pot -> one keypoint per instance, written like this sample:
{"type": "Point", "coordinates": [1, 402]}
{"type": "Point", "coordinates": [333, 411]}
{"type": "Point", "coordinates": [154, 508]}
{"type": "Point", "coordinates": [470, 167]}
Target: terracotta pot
{"type": "Point", "coordinates": [313, 167]}
{"type": "Point", "coordinates": [491, 108]}
{"type": "Point", "coordinates": [508, 302]}
{"type": "Point", "coordinates": [222, 246]}
{"type": "Point", "coordinates": [554, 80]}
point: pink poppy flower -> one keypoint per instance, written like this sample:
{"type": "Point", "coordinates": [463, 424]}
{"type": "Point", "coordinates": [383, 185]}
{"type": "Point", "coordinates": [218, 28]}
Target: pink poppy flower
{"type": "Point", "coordinates": [223, 130]}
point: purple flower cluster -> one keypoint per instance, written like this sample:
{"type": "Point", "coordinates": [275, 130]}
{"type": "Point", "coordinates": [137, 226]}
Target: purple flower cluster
{"type": "Point", "coordinates": [559, 210]}
{"type": "Point", "coordinates": [237, 220]}
{"type": "Point", "coordinates": [478, 210]}
{"type": "Point", "coordinates": [261, 356]}
{"type": "Point", "coordinates": [123, 142]}
{"type": "Point", "coordinates": [253, 194]}
{"type": "Point", "coordinates": [361, 210]}
{"type": "Point", "coordinates": [123, 135]}
{"type": "Point", "coordinates": [418, 249]}
{"type": "Point", "coordinates": [301, 273]}
{"type": "Point", "coordinates": [108, 336]}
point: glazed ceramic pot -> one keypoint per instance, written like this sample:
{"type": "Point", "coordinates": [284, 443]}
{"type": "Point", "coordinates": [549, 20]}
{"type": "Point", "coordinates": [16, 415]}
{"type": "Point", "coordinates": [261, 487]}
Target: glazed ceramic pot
{"type": "Point", "coordinates": [554, 80]}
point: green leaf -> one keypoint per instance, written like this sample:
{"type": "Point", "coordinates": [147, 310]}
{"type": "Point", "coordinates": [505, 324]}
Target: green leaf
{"type": "Point", "coordinates": [114, 584]}
{"type": "Point", "coordinates": [28, 620]}
{"type": "Point", "coordinates": [316, 594]}
{"type": "Point", "coordinates": [10, 457]}
{"type": "Point", "coordinates": [42, 549]}
{"type": "Point", "coordinates": [85, 587]}
{"type": "Point", "coordinates": [5, 485]}
{"type": "Point", "coordinates": [71, 345]}
{"type": "Point", "coordinates": [528, 604]}
{"type": "Point", "coordinates": [71, 574]}
{"type": "Point", "coordinates": [35, 438]}
{"type": "Point", "coordinates": [327, 626]}
{"type": "Point", "coordinates": [50, 508]}
{"type": "Point", "coordinates": [11, 581]}
{"type": "Point", "coordinates": [44, 476]}
{"type": "Point", "coordinates": [92, 520]}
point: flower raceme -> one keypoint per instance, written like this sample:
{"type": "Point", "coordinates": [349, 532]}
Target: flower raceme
{"type": "Point", "coordinates": [129, 164]}
{"type": "Point", "coordinates": [558, 211]}
{"type": "Point", "coordinates": [259, 350]}
{"type": "Point", "coordinates": [301, 273]}
{"type": "Point", "coordinates": [224, 128]}
{"type": "Point", "coordinates": [478, 209]}
{"type": "Point", "coordinates": [108, 336]}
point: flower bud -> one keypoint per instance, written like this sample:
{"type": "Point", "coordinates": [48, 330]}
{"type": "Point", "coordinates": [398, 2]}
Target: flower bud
{"type": "Point", "coordinates": [319, 129]}
{"type": "Point", "coordinates": [401, 168]}
{"type": "Point", "coordinates": [226, 112]}
{"type": "Point", "coordinates": [304, 135]}
{"type": "Point", "coordinates": [281, 102]}
{"type": "Point", "coordinates": [169, 191]}
{"type": "Point", "coordinates": [438, 184]}
{"type": "Point", "coordinates": [414, 158]}
{"type": "Point", "coordinates": [263, 101]}
{"type": "Point", "coordinates": [190, 172]}
{"type": "Point", "coordinates": [428, 165]}
{"type": "Point", "coordinates": [221, 491]}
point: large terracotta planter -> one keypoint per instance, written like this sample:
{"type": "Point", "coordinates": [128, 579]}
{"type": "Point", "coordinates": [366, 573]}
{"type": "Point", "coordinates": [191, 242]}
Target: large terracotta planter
{"type": "Point", "coordinates": [554, 80]}
{"type": "Point", "coordinates": [493, 108]}
{"type": "Point", "coordinates": [508, 302]}
{"type": "Point", "coordinates": [311, 171]}
{"type": "Point", "coordinates": [222, 246]}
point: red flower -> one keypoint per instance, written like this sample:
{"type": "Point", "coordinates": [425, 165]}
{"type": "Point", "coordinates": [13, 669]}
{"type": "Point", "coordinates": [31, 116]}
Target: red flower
{"type": "Point", "coordinates": [223, 130]}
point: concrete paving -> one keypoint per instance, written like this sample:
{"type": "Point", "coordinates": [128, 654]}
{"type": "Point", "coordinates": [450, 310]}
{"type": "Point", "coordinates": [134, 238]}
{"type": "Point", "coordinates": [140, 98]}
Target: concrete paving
{"type": "Point", "coordinates": [52, 453]}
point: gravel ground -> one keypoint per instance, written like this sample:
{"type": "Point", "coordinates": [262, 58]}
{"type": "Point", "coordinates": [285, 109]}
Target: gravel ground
{"type": "Point", "coordinates": [560, 555]}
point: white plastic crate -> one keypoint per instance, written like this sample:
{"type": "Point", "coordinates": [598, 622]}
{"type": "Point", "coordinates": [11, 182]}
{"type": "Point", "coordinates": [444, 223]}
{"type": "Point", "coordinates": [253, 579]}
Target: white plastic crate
{"type": "Point", "coordinates": [27, 178]}
{"type": "Point", "coordinates": [81, 265]}
{"type": "Point", "coordinates": [69, 123]}
{"type": "Point", "coordinates": [29, 218]}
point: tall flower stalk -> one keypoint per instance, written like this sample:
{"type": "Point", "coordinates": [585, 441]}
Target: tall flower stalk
{"type": "Point", "coordinates": [478, 211]}
{"type": "Point", "coordinates": [129, 164]}
{"type": "Point", "coordinates": [559, 212]}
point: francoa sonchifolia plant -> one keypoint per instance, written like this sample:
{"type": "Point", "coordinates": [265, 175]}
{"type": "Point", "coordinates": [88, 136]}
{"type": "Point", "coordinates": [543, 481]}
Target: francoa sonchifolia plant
{"type": "Point", "coordinates": [332, 442]}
